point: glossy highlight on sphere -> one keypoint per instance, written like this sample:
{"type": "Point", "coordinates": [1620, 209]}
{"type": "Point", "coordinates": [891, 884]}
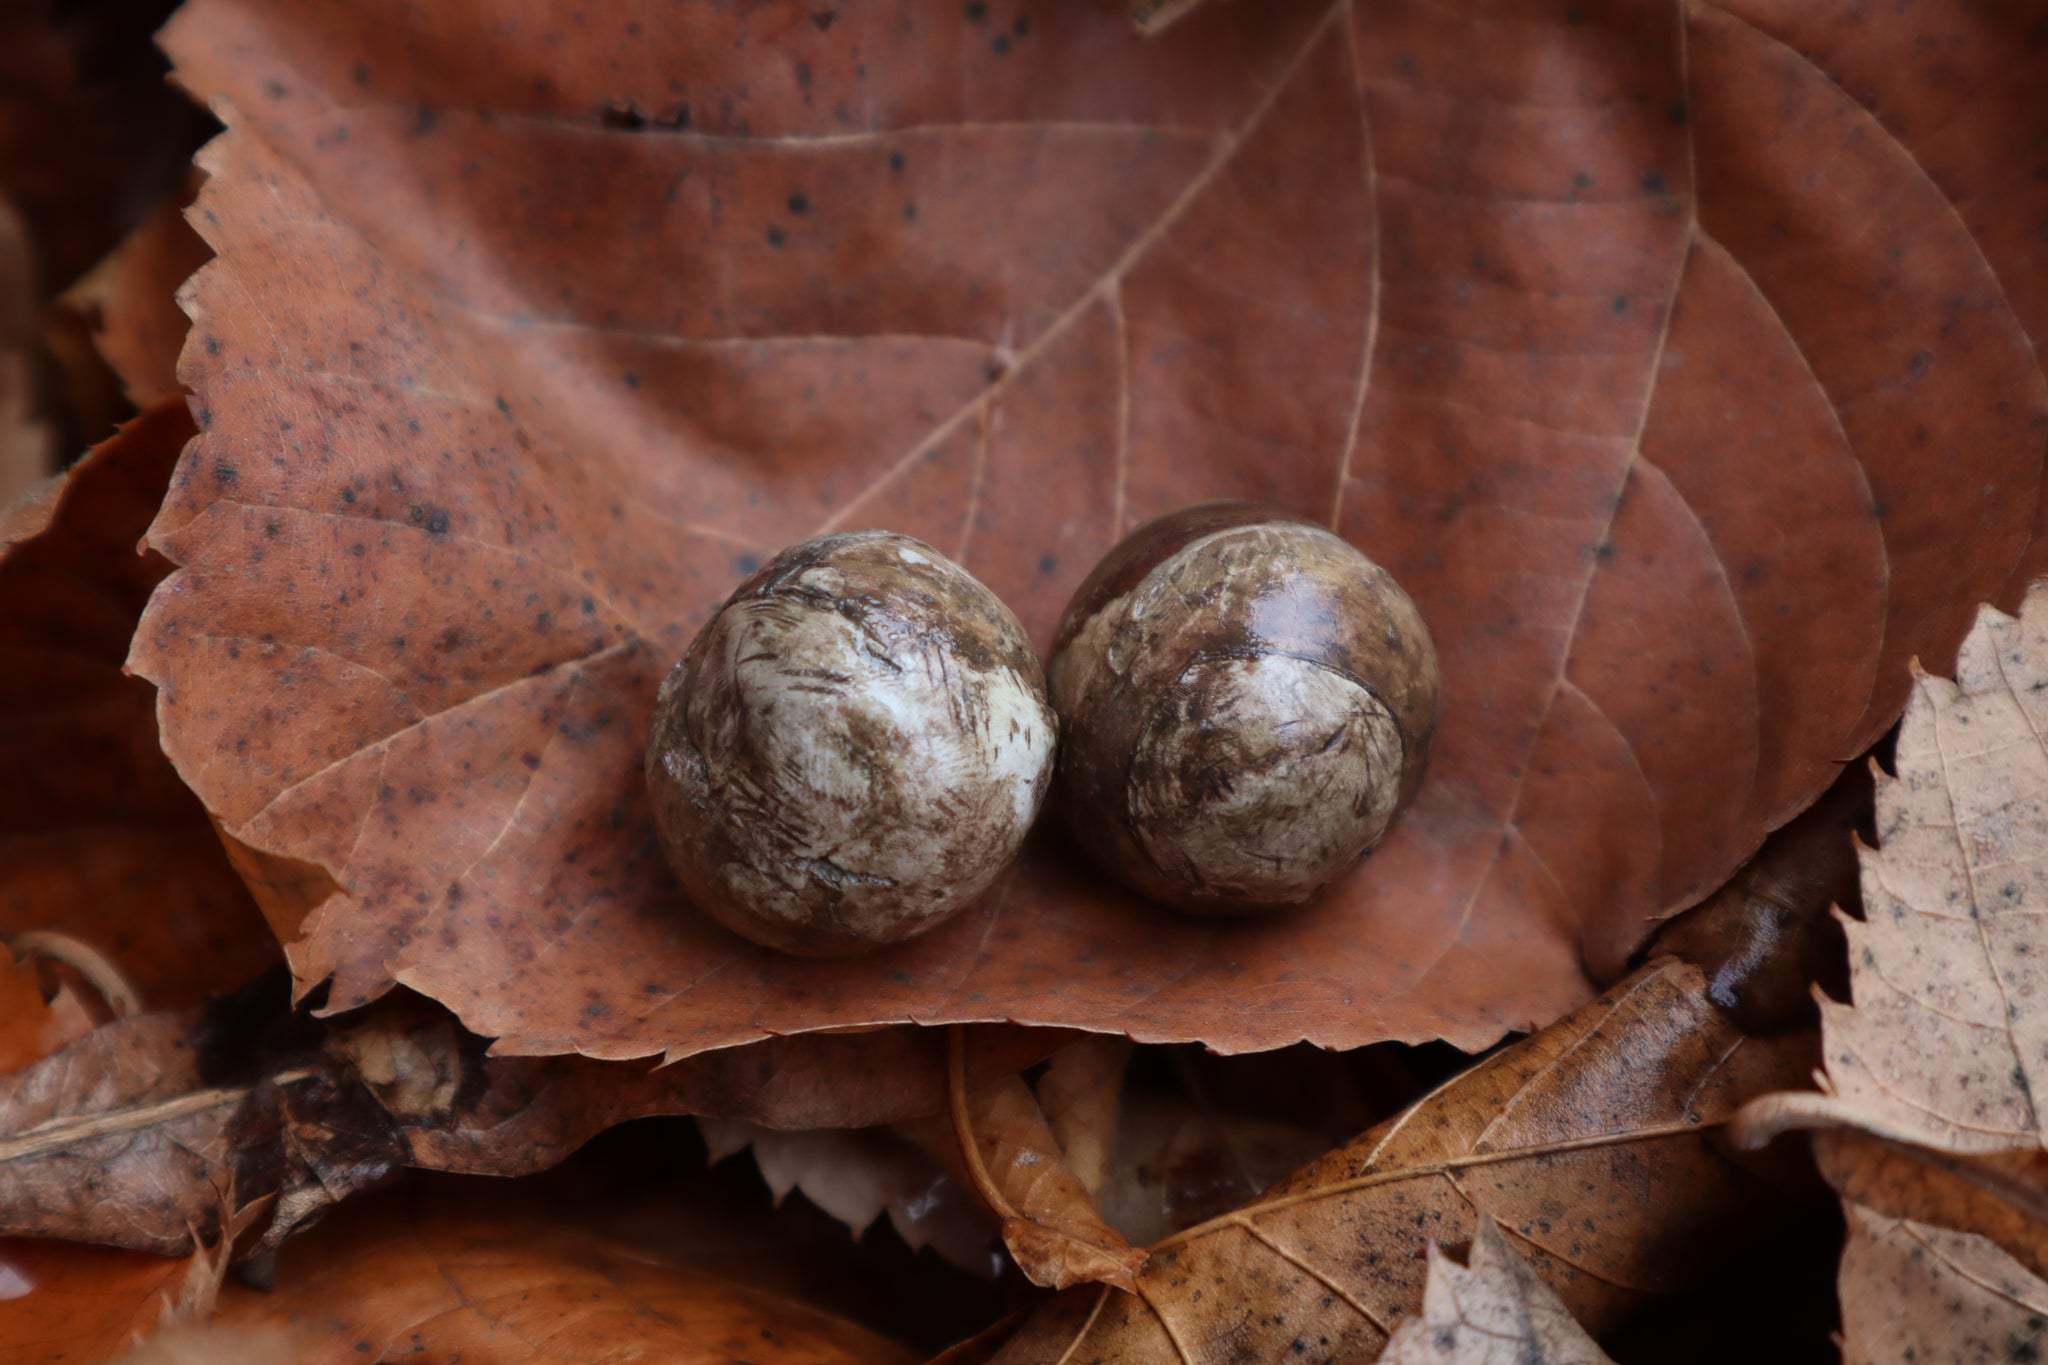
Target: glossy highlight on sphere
{"type": "Point", "coordinates": [852, 748]}
{"type": "Point", "coordinates": [1246, 703]}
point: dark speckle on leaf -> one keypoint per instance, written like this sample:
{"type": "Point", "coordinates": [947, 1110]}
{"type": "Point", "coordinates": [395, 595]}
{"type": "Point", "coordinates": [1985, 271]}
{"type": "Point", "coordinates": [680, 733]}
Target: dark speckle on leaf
{"type": "Point", "coordinates": [775, 237]}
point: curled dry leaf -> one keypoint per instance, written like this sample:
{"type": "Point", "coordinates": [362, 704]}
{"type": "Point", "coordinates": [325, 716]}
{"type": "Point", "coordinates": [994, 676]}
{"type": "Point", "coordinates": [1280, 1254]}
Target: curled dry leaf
{"type": "Point", "coordinates": [98, 836]}
{"type": "Point", "coordinates": [996, 1142]}
{"type": "Point", "coordinates": [433, 1282]}
{"type": "Point", "coordinates": [1592, 1142]}
{"type": "Point", "coordinates": [60, 1301]}
{"type": "Point", "coordinates": [505, 380]}
{"type": "Point", "coordinates": [1494, 1311]}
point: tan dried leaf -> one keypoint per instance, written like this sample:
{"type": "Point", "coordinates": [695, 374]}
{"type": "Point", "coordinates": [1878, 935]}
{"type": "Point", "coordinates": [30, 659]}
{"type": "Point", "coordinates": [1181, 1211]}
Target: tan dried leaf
{"type": "Point", "coordinates": [1496, 1311]}
{"type": "Point", "coordinates": [1919, 1295]}
{"type": "Point", "coordinates": [857, 1175]}
{"type": "Point", "coordinates": [1946, 1042]}
{"type": "Point", "coordinates": [1000, 1146]}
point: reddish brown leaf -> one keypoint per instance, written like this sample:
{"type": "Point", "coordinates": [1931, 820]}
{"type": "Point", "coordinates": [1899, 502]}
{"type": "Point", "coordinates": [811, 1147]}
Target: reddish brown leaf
{"type": "Point", "coordinates": [98, 836]}
{"type": "Point", "coordinates": [432, 1282]}
{"type": "Point", "coordinates": [67, 1304]}
{"type": "Point", "coordinates": [525, 340]}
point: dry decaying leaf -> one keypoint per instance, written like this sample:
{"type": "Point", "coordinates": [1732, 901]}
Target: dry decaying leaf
{"type": "Point", "coordinates": [857, 1175]}
{"type": "Point", "coordinates": [525, 341]}
{"type": "Point", "coordinates": [1930, 1127]}
{"type": "Point", "coordinates": [1496, 1311]}
{"type": "Point", "coordinates": [1592, 1142]}
{"type": "Point", "coordinates": [60, 1301]}
{"type": "Point", "coordinates": [422, 1281]}
{"type": "Point", "coordinates": [1914, 1293]}
{"type": "Point", "coordinates": [98, 837]}
{"type": "Point", "coordinates": [131, 1135]}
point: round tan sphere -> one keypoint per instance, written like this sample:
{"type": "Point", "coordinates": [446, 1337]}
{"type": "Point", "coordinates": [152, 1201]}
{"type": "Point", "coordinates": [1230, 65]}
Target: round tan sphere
{"type": "Point", "coordinates": [1245, 704]}
{"type": "Point", "coordinates": [852, 749]}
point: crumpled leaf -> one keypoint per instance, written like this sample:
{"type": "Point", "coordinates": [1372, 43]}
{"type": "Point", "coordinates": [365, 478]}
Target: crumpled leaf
{"type": "Point", "coordinates": [433, 1282]}
{"type": "Point", "coordinates": [996, 1142]}
{"type": "Point", "coordinates": [525, 341]}
{"type": "Point", "coordinates": [135, 1134]}
{"type": "Point", "coordinates": [1592, 1142]}
{"type": "Point", "coordinates": [60, 1301]}
{"type": "Point", "coordinates": [98, 836]}
{"type": "Point", "coordinates": [1919, 1295]}
{"type": "Point", "coordinates": [1495, 1311]}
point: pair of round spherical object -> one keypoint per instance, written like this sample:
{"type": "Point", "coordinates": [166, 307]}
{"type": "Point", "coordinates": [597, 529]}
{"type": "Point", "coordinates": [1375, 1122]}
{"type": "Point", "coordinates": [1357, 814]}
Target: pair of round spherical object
{"type": "Point", "coordinates": [857, 743]}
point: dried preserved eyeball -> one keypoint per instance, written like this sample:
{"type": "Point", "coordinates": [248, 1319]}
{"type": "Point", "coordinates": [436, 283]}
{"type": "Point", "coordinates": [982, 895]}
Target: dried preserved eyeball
{"type": "Point", "coordinates": [852, 748]}
{"type": "Point", "coordinates": [1245, 704]}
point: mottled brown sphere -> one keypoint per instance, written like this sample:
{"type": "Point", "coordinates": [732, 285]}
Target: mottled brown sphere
{"type": "Point", "coordinates": [852, 748]}
{"type": "Point", "coordinates": [1245, 704]}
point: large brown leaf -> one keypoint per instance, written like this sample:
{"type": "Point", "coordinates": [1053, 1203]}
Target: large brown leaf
{"type": "Point", "coordinates": [1688, 388]}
